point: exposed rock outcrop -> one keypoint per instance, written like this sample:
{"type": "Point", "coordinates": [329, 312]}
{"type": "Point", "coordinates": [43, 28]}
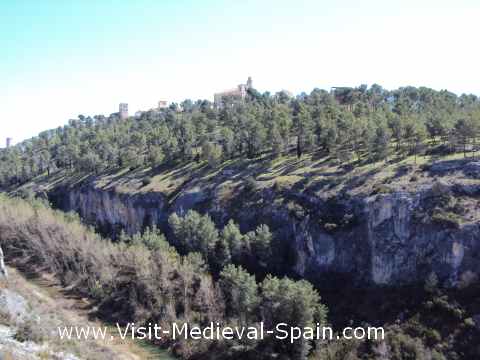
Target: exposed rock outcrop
{"type": "Point", "coordinates": [15, 311]}
{"type": "Point", "coordinates": [404, 248]}
{"type": "Point", "coordinates": [13, 305]}
{"type": "Point", "coordinates": [3, 269]}
{"type": "Point", "coordinates": [472, 169]}
{"type": "Point", "coordinates": [384, 239]}
{"type": "Point", "coordinates": [111, 211]}
{"type": "Point", "coordinates": [390, 245]}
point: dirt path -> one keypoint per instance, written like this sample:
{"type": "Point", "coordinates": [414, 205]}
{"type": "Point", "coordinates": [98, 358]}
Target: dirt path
{"type": "Point", "coordinates": [57, 306]}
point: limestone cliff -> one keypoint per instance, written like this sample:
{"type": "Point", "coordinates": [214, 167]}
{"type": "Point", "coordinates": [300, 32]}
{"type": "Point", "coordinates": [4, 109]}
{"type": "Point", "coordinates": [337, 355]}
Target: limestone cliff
{"type": "Point", "coordinates": [111, 211]}
{"type": "Point", "coordinates": [383, 239]}
{"type": "Point", "coordinates": [394, 242]}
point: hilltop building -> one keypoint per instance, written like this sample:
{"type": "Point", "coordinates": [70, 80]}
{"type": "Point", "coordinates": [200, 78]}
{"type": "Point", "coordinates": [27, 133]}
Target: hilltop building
{"type": "Point", "coordinates": [237, 93]}
{"type": "Point", "coordinates": [8, 142]}
{"type": "Point", "coordinates": [162, 104]}
{"type": "Point", "coordinates": [123, 111]}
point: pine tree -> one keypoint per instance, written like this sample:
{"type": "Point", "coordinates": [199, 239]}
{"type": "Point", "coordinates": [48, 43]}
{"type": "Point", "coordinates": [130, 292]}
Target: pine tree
{"type": "Point", "coordinates": [194, 232]}
{"type": "Point", "coordinates": [295, 303]}
{"type": "Point", "coordinates": [241, 293]}
{"type": "Point", "coordinates": [380, 143]}
{"type": "Point", "coordinates": [261, 244]}
{"type": "Point", "coordinates": [212, 153]}
{"type": "Point", "coordinates": [235, 240]}
{"type": "Point", "coordinates": [303, 125]}
{"type": "Point", "coordinates": [221, 255]}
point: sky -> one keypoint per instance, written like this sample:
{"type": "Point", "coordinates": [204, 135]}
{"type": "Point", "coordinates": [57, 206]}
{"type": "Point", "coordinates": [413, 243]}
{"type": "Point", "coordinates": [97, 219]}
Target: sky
{"type": "Point", "coordinates": [59, 59]}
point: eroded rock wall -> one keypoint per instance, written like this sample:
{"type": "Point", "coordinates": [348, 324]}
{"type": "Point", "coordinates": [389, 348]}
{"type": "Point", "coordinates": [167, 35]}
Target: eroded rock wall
{"type": "Point", "coordinates": [112, 212]}
{"type": "Point", "coordinates": [387, 244]}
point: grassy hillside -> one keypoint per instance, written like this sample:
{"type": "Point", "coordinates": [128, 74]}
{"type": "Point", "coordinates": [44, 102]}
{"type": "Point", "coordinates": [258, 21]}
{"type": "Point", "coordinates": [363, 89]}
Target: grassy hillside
{"type": "Point", "coordinates": [315, 173]}
{"type": "Point", "coordinates": [321, 141]}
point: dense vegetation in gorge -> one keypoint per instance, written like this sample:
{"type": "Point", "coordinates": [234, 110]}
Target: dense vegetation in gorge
{"type": "Point", "coordinates": [352, 125]}
{"type": "Point", "coordinates": [141, 278]}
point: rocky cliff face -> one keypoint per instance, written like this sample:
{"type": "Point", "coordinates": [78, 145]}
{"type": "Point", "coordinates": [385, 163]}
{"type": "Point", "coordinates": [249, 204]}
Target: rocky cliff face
{"type": "Point", "coordinates": [384, 239]}
{"type": "Point", "coordinates": [404, 248]}
{"type": "Point", "coordinates": [392, 244]}
{"type": "Point", "coordinates": [111, 211]}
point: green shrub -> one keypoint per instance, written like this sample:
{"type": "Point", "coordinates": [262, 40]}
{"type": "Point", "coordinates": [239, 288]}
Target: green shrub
{"type": "Point", "coordinates": [441, 195]}
{"type": "Point", "coordinates": [27, 194]}
{"type": "Point", "coordinates": [296, 210]}
{"type": "Point", "coordinates": [96, 289]}
{"type": "Point", "coordinates": [458, 313]}
{"type": "Point", "coordinates": [381, 189]}
{"type": "Point", "coordinates": [5, 318]}
{"type": "Point", "coordinates": [212, 153]}
{"type": "Point", "coordinates": [30, 331]}
{"type": "Point", "coordinates": [437, 356]}
{"type": "Point", "coordinates": [250, 184]}
{"type": "Point", "coordinates": [433, 336]}
{"type": "Point", "coordinates": [147, 180]}
{"type": "Point", "coordinates": [469, 322]}
{"type": "Point", "coordinates": [446, 219]}
{"type": "Point", "coordinates": [405, 347]}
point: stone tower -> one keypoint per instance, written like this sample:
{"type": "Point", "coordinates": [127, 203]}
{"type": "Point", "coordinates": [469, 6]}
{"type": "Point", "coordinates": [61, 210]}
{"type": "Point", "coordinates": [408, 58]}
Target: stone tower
{"type": "Point", "coordinates": [123, 111]}
{"type": "Point", "coordinates": [249, 83]}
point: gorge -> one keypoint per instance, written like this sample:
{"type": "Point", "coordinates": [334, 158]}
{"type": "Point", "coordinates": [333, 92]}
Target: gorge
{"type": "Point", "coordinates": [381, 239]}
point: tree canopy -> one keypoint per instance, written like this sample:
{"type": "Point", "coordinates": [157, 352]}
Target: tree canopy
{"type": "Point", "coordinates": [362, 123]}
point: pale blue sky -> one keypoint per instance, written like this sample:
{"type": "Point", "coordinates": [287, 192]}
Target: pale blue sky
{"type": "Point", "coordinates": [64, 58]}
